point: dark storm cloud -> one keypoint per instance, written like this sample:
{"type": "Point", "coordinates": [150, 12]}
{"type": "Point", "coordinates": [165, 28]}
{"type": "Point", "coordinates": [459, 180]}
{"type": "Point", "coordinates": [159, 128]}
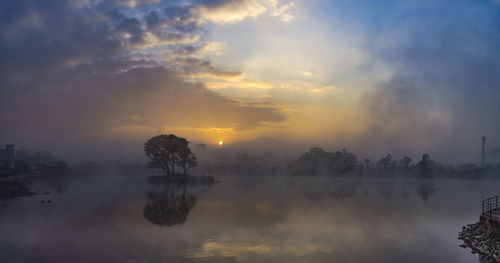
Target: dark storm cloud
{"type": "Point", "coordinates": [445, 91]}
{"type": "Point", "coordinates": [133, 27]}
{"type": "Point", "coordinates": [68, 73]}
{"type": "Point", "coordinates": [183, 19]}
{"type": "Point", "coordinates": [149, 97]}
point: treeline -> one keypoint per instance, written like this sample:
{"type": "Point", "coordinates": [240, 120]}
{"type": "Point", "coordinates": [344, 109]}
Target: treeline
{"type": "Point", "coordinates": [317, 162]}
{"type": "Point", "coordinates": [168, 152]}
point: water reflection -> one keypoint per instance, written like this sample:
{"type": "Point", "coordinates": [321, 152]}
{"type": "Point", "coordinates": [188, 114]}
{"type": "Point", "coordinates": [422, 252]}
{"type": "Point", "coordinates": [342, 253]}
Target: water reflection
{"type": "Point", "coordinates": [425, 190]}
{"type": "Point", "coordinates": [387, 189]}
{"type": "Point", "coordinates": [246, 219]}
{"type": "Point", "coordinates": [170, 206]}
{"type": "Point", "coordinates": [340, 192]}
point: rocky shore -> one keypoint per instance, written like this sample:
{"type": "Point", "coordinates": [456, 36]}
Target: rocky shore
{"type": "Point", "coordinates": [482, 238]}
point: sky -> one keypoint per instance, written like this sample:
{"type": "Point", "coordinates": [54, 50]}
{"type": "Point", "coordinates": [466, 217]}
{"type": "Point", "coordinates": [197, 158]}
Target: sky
{"type": "Point", "coordinates": [401, 76]}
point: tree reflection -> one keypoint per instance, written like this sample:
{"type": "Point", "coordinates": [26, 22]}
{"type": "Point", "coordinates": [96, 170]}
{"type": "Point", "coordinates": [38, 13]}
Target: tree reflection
{"type": "Point", "coordinates": [425, 190]}
{"type": "Point", "coordinates": [169, 207]}
{"type": "Point", "coordinates": [387, 189]}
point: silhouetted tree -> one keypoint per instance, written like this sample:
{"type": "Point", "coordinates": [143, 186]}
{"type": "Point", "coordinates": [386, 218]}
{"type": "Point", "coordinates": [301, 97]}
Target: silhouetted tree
{"type": "Point", "coordinates": [309, 163]}
{"type": "Point", "coordinates": [385, 162]}
{"type": "Point", "coordinates": [404, 163]}
{"type": "Point", "coordinates": [426, 166]}
{"type": "Point", "coordinates": [316, 161]}
{"type": "Point", "coordinates": [350, 160]}
{"type": "Point", "coordinates": [168, 151]}
{"type": "Point", "coordinates": [61, 166]}
{"type": "Point", "coordinates": [186, 159]}
{"type": "Point", "coordinates": [386, 166]}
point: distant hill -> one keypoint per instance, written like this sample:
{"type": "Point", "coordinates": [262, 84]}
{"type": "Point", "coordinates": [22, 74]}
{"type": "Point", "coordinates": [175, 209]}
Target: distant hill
{"type": "Point", "coordinates": [262, 145]}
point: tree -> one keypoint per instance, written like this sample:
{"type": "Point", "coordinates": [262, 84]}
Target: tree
{"type": "Point", "coordinates": [186, 159]}
{"type": "Point", "coordinates": [168, 151]}
{"type": "Point", "coordinates": [404, 163]}
{"type": "Point", "coordinates": [317, 161]}
{"type": "Point", "coordinates": [426, 166]}
{"type": "Point", "coordinates": [61, 166]}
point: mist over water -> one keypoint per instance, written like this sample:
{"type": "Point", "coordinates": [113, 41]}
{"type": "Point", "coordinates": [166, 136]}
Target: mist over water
{"type": "Point", "coordinates": [338, 131]}
{"type": "Point", "coordinates": [117, 217]}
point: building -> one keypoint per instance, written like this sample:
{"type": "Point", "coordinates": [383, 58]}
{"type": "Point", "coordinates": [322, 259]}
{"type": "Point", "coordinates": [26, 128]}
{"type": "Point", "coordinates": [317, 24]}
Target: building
{"type": "Point", "coordinates": [35, 161]}
{"type": "Point", "coordinates": [8, 156]}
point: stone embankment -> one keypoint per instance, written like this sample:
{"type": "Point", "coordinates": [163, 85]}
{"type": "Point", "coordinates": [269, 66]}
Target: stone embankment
{"type": "Point", "coordinates": [483, 238]}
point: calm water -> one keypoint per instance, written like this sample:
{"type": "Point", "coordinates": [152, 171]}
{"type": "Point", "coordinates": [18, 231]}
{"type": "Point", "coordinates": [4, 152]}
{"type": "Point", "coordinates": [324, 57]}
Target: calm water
{"type": "Point", "coordinates": [245, 219]}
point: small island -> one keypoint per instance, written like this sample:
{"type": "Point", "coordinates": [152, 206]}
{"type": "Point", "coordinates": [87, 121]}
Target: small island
{"type": "Point", "coordinates": [170, 154]}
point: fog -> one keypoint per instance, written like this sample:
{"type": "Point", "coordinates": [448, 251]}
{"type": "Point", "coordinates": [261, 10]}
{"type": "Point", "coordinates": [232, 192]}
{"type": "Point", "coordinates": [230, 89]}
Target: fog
{"type": "Point", "coordinates": [350, 131]}
{"type": "Point", "coordinates": [113, 215]}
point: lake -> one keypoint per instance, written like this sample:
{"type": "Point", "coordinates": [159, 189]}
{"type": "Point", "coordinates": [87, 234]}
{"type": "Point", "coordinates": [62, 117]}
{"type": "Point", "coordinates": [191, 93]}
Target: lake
{"type": "Point", "coordinates": [118, 218]}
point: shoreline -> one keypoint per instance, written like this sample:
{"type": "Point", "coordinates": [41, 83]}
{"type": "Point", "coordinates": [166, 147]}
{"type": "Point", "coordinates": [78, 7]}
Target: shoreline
{"type": "Point", "coordinates": [483, 238]}
{"type": "Point", "coordinates": [187, 179]}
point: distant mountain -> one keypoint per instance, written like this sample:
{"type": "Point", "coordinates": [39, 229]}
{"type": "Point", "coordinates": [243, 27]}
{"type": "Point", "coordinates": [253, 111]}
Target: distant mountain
{"type": "Point", "coordinates": [262, 145]}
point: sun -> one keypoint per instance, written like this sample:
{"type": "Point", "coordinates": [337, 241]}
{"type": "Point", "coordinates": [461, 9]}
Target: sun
{"type": "Point", "coordinates": [221, 143]}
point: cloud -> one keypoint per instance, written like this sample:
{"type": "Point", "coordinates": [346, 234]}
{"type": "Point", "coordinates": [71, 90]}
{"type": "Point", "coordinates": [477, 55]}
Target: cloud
{"type": "Point", "coordinates": [230, 11]}
{"type": "Point", "coordinates": [305, 73]}
{"type": "Point", "coordinates": [134, 3]}
{"type": "Point", "coordinates": [73, 74]}
{"type": "Point", "coordinates": [443, 94]}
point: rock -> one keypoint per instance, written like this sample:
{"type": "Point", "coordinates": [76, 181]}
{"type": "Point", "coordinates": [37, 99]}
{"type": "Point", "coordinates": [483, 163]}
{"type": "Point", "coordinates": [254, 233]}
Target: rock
{"type": "Point", "coordinates": [480, 238]}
